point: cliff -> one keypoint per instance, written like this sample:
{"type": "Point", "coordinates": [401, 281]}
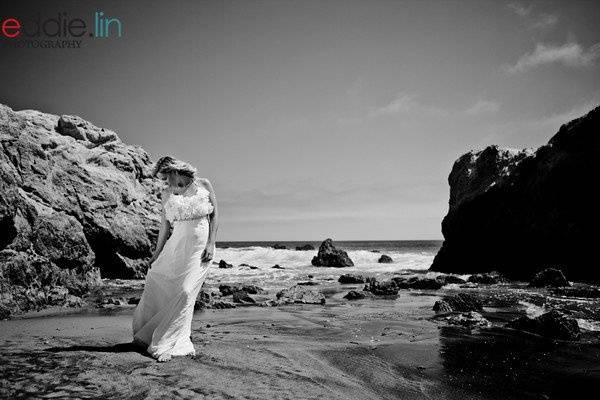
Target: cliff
{"type": "Point", "coordinates": [76, 204]}
{"type": "Point", "coordinates": [518, 212]}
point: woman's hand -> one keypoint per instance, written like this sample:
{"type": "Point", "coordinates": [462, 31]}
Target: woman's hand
{"type": "Point", "coordinates": [208, 252]}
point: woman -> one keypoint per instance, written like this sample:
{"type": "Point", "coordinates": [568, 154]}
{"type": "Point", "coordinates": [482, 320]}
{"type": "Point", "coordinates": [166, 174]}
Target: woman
{"type": "Point", "coordinates": [162, 321]}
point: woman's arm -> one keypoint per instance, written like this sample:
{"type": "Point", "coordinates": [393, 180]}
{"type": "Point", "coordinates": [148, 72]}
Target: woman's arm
{"type": "Point", "coordinates": [213, 220]}
{"type": "Point", "coordinates": [163, 233]}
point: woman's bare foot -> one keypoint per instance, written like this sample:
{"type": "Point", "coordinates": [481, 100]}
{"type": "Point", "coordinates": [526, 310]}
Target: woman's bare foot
{"type": "Point", "coordinates": [164, 357]}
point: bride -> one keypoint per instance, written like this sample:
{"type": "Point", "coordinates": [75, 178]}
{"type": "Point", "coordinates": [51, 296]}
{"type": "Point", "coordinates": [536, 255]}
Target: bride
{"type": "Point", "coordinates": [162, 320]}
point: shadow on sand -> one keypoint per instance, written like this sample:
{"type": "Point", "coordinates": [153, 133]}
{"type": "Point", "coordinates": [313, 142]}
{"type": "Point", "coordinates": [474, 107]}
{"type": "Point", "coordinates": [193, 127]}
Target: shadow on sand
{"type": "Point", "coordinates": [129, 347]}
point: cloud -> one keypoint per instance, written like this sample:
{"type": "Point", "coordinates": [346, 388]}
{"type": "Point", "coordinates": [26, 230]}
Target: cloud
{"type": "Point", "coordinates": [544, 21]}
{"type": "Point", "coordinates": [519, 9]}
{"type": "Point", "coordinates": [541, 21]}
{"type": "Point", "coordinates": [407, 104]}
{"type": "Point", "coordinates": [483, 107]}
{"type": "Point", "coordinates": [569, 55]}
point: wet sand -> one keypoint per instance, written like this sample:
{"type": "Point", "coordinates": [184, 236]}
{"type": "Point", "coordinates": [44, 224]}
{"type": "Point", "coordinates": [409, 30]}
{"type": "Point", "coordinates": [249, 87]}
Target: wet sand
{"type": "Point", "coordinates": [366, 349]}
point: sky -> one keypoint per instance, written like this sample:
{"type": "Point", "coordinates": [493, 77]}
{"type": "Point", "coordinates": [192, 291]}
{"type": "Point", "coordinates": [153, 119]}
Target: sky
{"type": "Point", "coordinates": [317, 119]}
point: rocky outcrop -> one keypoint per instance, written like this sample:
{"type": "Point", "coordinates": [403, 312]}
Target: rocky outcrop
{"type": "Point", "coordinates": [329, 256]}
{"type": "Point", "coordinates": [306, 247]}
{"type": "Point", "coordinates": [351, 278]}
{"type": "Point", "coordinates": [549, 277]}
{"type": "Point", "coordinates": [385, 259]}
{"type": "Point", "coordinates": [76, 203]}
{"type": "Point", "coordinates": [519, 211]}
{"type": "Point", "coordinates": [553, 324]}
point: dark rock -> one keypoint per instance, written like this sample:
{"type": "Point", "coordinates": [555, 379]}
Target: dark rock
{"type": "Point", "coordinates": [354, 295]}
{"type": "Point", "coordinates": [241, 296]}
{"type": "Point", "coordinates": [441, 307]}
{"type": "Point", "coordinates": [584, 291]}
{"type": "Point", "coordinates": [469, 320]}
{"type": "Point", "coordinates": [351, 278]}
{"type": "Point", "coordinates": [277, 266]}
{"type": "Point", "coordinates": [133, 300]}
{"type": "Point", "coordinates": [449, 279]}
{"type": "Point", "coordinates": [227, 290]}
{"type": "Point", "coordinates": [518, 211]}
{"type": "Point", "coordinates": [463, 302]}
{"type": "Point", "coordinates": [306, 247]}
{"type": "Point", "coordinates": [553, 324]}
{"type": "Point", "coordinates": [224, 264]}
{"type": "Point", "coordinates": [252, 289]}
{"type": "Point", "coordinates": [329, 256]}
{"type": "Point", "coordinates": [300, 294]}
{"type": "Point", "coordinates": [385, 288]}
{"type": "Point", "coordinates": [549, 277]}
{"type": "Point", "coordinates": [488, 278]}
{"type": "Point", "coordinates": [417, 282]}
{"type": "Point", "coordinates": [384, 259]}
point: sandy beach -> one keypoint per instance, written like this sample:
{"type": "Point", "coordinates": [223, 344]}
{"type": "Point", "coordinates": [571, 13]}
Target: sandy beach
{"type": "Point", "coordinates": [374, 348]}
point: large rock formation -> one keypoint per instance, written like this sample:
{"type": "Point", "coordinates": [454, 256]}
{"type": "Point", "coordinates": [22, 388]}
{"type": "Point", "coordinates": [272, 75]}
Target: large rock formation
{"type": "Point", "coordinates": [76, 203]}
{"type": "Point", "coordinates": [329, 256]}
{"type": "Point", "coordinates": [519, 212]}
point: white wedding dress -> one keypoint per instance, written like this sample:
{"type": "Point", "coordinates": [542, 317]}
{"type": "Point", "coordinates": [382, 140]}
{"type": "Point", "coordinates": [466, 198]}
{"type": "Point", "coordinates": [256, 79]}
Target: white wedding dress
{"type": "Point", "coordinates": [162, 320]}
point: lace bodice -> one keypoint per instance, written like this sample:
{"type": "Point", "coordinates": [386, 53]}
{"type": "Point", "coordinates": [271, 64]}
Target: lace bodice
{"type": "Point", "coordinates": [194, 203]}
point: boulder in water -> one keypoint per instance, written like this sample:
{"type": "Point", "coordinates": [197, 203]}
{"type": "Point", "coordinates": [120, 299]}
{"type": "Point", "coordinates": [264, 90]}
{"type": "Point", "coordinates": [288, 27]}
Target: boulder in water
{"type": "Point", "coordinates": [329, 256]}
{"type": "Point", "coordinates": [351, 278]}
{"type": "Point", "coordinates": [553, 324]}
{"type": "Point", "coordinates": [549, 277]}
{"type": "Point", "coordinates": [385, 259]}
{"type": "Point", "coordinates": [306, 247]}
{"type": "Point", "coordinates": [354, 295]}
{"type": "Point", "coordinates": [488, 278]}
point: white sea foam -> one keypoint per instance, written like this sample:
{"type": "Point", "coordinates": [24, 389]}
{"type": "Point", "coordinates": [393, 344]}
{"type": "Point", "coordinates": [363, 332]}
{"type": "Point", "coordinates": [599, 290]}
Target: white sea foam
{"type": "Point", "coordinates": [297, 264]}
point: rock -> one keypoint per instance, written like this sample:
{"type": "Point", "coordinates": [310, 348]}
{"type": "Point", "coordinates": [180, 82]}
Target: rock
{"type": "Point", "coordinates": [417, 282]}
{"type": "Point", "coordinates": [277, 266]}
{"type": "Point", "coordinates": [329, 256]}
{"type": "Point", "coordinates": [241, 296]}
{"type": "Point", "coordinates": [252, 289]}
{"type": "Point", "coordinates": [463, 302]}
{"type": "Point", "coordinates": [549, 277]}
{"type": "Point", "coordinates": [75, 198]}
{"type": "Point", "coordinates": [227, 290]}
{"type": "Point", "coordinates": [585, 291]}
{"type": "Point", "coordinates": [449, 279]}
{"type": "Point", "coordinates": [488, 278]}
{"type": "Point", "coordinates": [306, 247]}
{"type": "Point", "coordinates": [469, 320]}
{"type": "Point", "coordinates": [384, 259]}
{"type": "Point", "coordinates": [224, 264]}
{"type": "Point", "coordinates": [279, 247]}
{"type": "Point", "coordinates": [518, 211]}
{"type": "Point", "coordinates": [441, 307]}
{"type": "Point", "coordinates": [354, 295]}
{"type": "Point", "coordinates": [385, 288]}
{"type": "Point", "coordinates": [300, 294]}
{"type": "Point", "coordinates": [351, 278]}
{"type": "Point", "coordinates": [553, 324]}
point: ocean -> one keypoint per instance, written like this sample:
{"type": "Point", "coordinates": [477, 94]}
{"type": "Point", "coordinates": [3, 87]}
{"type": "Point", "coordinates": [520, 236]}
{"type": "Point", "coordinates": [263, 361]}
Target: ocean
{"type": "Point", "coordinates": [406, 255]}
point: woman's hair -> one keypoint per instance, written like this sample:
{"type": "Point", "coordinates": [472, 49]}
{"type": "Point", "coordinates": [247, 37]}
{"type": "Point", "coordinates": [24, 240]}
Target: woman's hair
{"type": "Point", "coordinates": [168, 164]}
